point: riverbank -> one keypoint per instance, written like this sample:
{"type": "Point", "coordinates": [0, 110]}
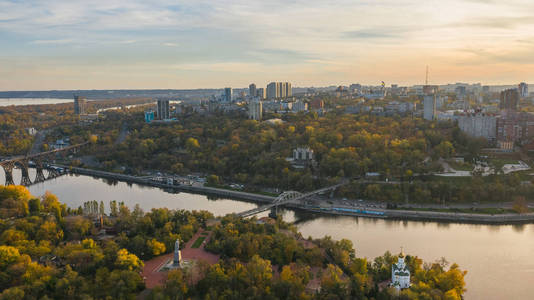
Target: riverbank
{"type": "Point", "coordinates": [208, 191]}
{"type": "Point", "coordinates": [489, 252]}
{"type": "Point", "coordinates": [346, 211]}
{"type": "Point", "coordinates": [497, 219]}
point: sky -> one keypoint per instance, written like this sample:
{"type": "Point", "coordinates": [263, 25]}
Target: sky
{"type": "Point", "coordinates": [144, 44]}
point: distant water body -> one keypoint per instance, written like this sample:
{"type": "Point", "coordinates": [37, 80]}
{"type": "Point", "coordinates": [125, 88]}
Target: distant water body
{"type": "Point", "coordinates": [32, 101]}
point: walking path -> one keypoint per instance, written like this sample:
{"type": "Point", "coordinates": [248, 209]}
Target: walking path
{"type": "Point", "coordinates": [151, 271]}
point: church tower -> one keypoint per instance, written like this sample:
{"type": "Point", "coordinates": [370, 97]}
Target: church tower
{"type": "Point", "coordinates": [400, 275]}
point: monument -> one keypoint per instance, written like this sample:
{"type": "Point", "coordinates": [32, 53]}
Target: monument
{"type": "Point", "coordinates": [177, 254]}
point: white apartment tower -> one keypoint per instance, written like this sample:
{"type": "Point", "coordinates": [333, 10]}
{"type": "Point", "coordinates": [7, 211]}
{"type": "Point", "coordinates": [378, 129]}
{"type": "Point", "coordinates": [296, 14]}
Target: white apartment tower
{"type": "Point", "coordinates": [523, 90]}
{"type": "Point", "coordinates": [277, 90]}
{"type": "Point", "coordinates": [429, 108]}
{"type": "Point", "coordinates": [164, 111]}
{"type": "Point", "coordinates": [255, 110]}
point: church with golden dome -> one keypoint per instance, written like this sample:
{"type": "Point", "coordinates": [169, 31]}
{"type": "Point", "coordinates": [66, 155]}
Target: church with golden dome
{"type": "Point", "coordinates": [400, 275]}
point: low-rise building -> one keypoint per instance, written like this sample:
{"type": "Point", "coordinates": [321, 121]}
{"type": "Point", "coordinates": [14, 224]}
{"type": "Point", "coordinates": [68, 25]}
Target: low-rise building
{"type": "Point", "coordinates": [316, 104]}
{"type": "Point", "coordinates": [301, 158]}
{"type": "Point", "coordinates": [300, 106]}
{"type": "Point", "coordinates": [31, 131]}
{"type": "Point", "coordinates": [303, 154]}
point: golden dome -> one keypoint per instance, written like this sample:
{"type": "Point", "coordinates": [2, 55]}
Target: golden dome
{"type": "Point", "coordinates": [401, 255]}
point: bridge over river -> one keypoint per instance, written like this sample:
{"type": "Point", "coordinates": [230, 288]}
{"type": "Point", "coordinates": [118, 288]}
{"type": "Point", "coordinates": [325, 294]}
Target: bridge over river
{"type": "Point", "coordinates": [287, 198]}
{"type": "Point", "coordinates": [39, 160]}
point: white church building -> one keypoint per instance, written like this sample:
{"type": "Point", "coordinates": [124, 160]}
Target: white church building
{"type": "Point", "coordinates": [400, 275]}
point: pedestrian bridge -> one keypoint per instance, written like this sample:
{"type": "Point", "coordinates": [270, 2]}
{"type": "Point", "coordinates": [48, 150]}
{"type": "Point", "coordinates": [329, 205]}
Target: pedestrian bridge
{"type": "Point", "coordinates": [286, 198]}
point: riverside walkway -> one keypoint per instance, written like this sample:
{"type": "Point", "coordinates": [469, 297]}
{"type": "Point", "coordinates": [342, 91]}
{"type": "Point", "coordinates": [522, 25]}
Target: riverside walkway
{"type": "Point", "coordinates": [181, 187]}
{"type": "Point", "coordinates": [324, 209]}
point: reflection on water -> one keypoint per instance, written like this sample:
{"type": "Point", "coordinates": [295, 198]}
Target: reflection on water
{"type": "Point", "coordinates": [499, 259]}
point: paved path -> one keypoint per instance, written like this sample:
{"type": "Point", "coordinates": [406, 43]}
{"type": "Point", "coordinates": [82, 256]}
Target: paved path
{"type": "Point", "coordinates": [153, 277]}
{"type": "Point", "coordinates": [38, 142]}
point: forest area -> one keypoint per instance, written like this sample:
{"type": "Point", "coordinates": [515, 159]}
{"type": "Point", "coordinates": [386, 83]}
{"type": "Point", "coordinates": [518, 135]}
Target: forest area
{"type": "Point", "coordinates": [50, 251]}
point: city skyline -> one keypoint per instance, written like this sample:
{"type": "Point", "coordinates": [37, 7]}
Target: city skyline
{"type": "Point", "coordinates": [200, 44]}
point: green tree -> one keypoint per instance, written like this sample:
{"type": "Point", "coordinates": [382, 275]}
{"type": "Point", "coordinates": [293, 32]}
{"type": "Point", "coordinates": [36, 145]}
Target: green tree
{"type": "Point", "coordinates": [34, 206]}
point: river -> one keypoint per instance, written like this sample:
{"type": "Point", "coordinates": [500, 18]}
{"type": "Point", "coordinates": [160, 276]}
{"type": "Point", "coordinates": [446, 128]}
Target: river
{"type": "Point", "coordinates": [32, 101]}
{"type": "Point", "coordinates": [499, 258]}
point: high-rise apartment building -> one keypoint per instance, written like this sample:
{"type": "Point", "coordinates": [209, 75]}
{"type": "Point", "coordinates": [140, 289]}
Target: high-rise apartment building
{"type": "Point", "coordinates": [164, 111]}
{"type": "Point", "coordinates": [252, 90]}
{"type": "Point", "coordinates": [461, 92]}
{"type": "Point", "coordinates": [509, 99]}
{"type": "Point", "coordinates": [282, 86]}
{"type": "Point", "coordinates": [289, 89]}
{"type": "Point", "coordinates": [430, 89]}
{"type": "Point", "coordinates": [523, 90]}
{"type": "Point", "coordinates": [79, 105]}
{"type": "Point", "coordinates": [260, 93]}
{"type": "Point", "coordinates": [255, 110]}
{"type": "Point", "coordinates": [279, 90]}
{"type": "Point", "coordinates": [430, 107]}
{"type": "Point", "coordinates": [228, 94]}
{"type": "Point", "coordinates": [273, 90]}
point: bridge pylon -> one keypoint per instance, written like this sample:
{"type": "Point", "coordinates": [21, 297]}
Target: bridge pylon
{"type": "Point", "coordinates": [52, 173]}
{"type": "Point", "coordinates": [274, 212]}
{"type": "Point", "coordinates": [25, 179]}
{"type": "Point", "coordinates": [23, 161]}
{"type": "Point", "coordinates": [8, 170]}
{"type": "Point", "coordinates": [39, 176]}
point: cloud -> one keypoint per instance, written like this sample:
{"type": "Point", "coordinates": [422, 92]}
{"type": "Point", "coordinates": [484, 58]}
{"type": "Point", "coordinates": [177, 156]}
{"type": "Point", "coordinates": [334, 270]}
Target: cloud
{"type": "Point", "coordinates": [365, 39]}
{"type": "Point", "coordinates": [58, 42]}
{"type": "Point", "coordinates": [520, 56]}
{"type": "Point", "coordinates": [496, 22]}
{"type": "Point", "coordinates": [370, 34]}
{"type": "Point", "coordinates": [170, 44]}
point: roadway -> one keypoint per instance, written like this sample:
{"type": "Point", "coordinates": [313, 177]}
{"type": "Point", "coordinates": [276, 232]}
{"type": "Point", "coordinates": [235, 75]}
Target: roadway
{"type": "Point", "coordinates": [326, 205]}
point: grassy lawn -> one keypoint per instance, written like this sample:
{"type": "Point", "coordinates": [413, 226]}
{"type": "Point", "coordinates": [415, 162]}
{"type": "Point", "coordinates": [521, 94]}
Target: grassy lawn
{"type": "Point", "coordinates": [198, 242]}
{"type": "Point", "coordinates": [460, 166]}
{"type": "Point", "coordinates": [204, 233]}
{"type": "Point", "coordinates": [499, 162]}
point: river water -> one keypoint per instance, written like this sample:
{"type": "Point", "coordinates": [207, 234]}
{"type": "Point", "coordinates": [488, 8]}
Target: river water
{"type": "Point", "coordinates": [32, 101]}
{"type": "Point", "coordinates": [499, 259]}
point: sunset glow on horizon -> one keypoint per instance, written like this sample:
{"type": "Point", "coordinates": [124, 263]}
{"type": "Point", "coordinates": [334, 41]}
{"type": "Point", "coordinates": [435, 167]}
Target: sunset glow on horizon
{"type": "Point", "coordinates": [114, 44]}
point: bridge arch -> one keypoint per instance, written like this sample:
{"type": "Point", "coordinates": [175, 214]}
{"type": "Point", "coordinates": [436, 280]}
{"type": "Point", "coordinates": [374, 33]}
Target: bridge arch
{"type": "Point", "coordinates": [22, 162]}
{"type": "Point", "coordinates": [8, 170]}
{"type": "Point", "coordinates": [287, 196]}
